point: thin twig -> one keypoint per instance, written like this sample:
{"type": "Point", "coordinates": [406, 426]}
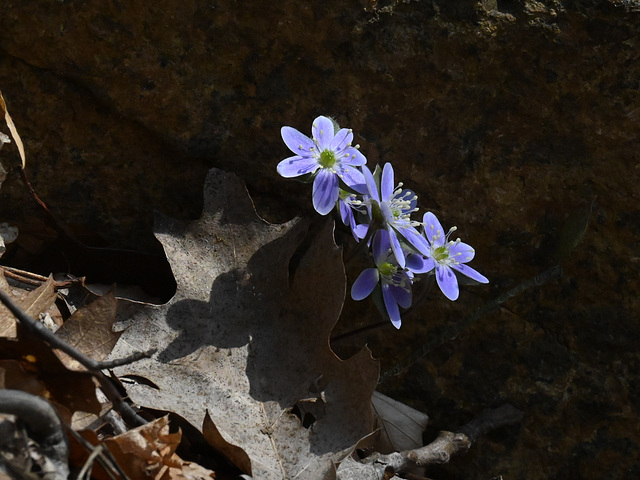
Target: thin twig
{"type": "Point", "coordinates": [491, 419]}
{"type": "Point", "coordinates": [357, 331]}
{"type": "Point", "coordinates": [35, 280]}
{"type": "Point", "coordinates": [44, 333]}
{"type": "Point", "coordinates": [38, 329]}
{"type": "Point", "coordinates": [87, 468]}
{"type": "Point", "coordinates": [105, 459]}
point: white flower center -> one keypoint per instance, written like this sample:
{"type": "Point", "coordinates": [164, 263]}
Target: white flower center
{"type": "Point", "coordinates": [440, 251]}
{"type": "Point", "coordinates": [397, 210]}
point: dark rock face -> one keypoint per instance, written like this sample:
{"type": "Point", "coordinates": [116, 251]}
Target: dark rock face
{"type": "Point", "coordinates": [504, 116]}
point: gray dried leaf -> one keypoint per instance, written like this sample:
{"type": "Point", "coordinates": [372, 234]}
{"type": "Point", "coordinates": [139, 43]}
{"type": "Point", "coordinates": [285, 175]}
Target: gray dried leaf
{"type": "Point", "coordinates": [246, 337]}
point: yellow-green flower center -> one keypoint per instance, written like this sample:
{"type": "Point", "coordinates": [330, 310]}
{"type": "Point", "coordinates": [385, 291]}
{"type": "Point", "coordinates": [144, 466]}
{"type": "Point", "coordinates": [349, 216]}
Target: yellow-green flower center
{"type": "Point", "coordinates": [441, 253]}
{"type": "Point", "coordinates": [327, 159]}
{"type": "Point", "coordinates": [387, 269]}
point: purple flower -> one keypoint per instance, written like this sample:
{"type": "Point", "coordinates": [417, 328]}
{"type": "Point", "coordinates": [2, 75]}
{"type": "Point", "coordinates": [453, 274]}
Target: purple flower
{"type": "Point", "coordinates": [328, 156]}
{"type": "Point", "coordinates": [395, 281]}
{"type": "Point", "coordinates": [348, 205]}
{"type": "Point", "coordinates": [445, 256]}
{"type": "Point", "coordinates": [393, 206]}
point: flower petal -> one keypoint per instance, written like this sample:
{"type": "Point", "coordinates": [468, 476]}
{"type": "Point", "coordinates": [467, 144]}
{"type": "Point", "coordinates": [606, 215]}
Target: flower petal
{"type": "Point", "coordinates": [297, 142]}
{"type": "Point", "coordinates": [386, 185]}
{"type": "Point", "coordinates": [412, 236]}
{"type": "Point", "coordinates": [353, 178]}
{"type": "Point", "coordinates": [342, 139]}
{"type": "Point", "coordinates": [461, 252]}
{"type": "Point", "coordinates": [360, 231]}
{"type": "Point", "coordinates": [381, 246]}
{"type": "Point", "coordinates": [471, 273]}
{"type": "Point", "coordinates": [415, 263]}
{"type": "Point", "coordinates": [447, 282]}
{"type": "Point", "coordinates": [391, 306]}
{"type": "Point", "coordinates": [365, 283]}
{"type": "Point", "coordinates": [323, 132]}
{"type": "Point", "coordinates": [432, 229]}
{"type": "Point", "coordinates": [401, 295]}
{"type": "Point", "coordinates": [325, 191]}
{"type": "Point", "coordinates": [396, 247]}
{"type": "Point", "coordinates": [389, 218]}
{"type": "Point", "coordinates": [428, 265]}
{"type": "Point", "coordinates": [346, 214]}
{"type": "Point", "coordinates": [296, 166]}
{"type": "Point", "coordinates": [356, 158]}
{"type": "Point", "coordinates": [371, 183]}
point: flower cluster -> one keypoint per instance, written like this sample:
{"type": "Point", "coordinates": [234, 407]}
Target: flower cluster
{"type": "Point", "coordinates": [378, 212]}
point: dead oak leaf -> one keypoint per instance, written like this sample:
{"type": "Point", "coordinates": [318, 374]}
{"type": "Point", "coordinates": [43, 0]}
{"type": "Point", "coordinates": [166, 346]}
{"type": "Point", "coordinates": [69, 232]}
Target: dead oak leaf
{"type": "Point", "coordinates": [246, 337]}
{"type": "Point", "coordinates": [148, 452]}
{"type": "Point", "coordinates": [89, 330]}
{"type": "Point", "coordinates": [32, 302]}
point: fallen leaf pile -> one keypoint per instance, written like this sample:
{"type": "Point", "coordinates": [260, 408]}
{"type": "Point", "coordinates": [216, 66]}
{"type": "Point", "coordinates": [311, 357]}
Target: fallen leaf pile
{"type": "Point", "coordinates": [246, 338]}
{"type": "Point", "coordinates": [238, 379]}
{"type": "Point", "coordinates": [242, 353]}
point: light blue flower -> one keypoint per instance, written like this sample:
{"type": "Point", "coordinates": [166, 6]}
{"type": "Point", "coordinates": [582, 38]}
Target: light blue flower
{"type": "Point", "coordinates": [447, 256]}
{"type": "Point", "coordinates": [349, 205]}
{"type": "Point", "coordinates": [392, 206]}
{"type": "Point", "coordinates": [328, 156]}
{"type": "Point", "coordinates": [395, 282]}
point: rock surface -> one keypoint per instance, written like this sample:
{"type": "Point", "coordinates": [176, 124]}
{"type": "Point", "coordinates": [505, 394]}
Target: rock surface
{"type": "Point", "coordinates": [504, 116]}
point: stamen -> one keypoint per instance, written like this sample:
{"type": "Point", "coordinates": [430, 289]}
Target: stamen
{"type": "Point", "coordinates": [451, 230]}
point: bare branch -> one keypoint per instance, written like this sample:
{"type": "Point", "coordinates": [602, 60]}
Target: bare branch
{"type": "Point", "coordinates": [39, 330]}
{"type": "Point", "coordinates": [440, 451]}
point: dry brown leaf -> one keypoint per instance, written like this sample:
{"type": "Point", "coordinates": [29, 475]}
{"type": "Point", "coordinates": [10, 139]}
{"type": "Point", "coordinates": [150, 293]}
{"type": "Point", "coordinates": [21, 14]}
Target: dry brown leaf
{"type": "Point", "coordinates": [40, 299]}
{"type": "Point", "coordinates": [31, 302]}
{"type": "Point", "coordinates": [401, 426]}
{"type": "Point", "coordinates": [246, 337]}
{"type": "Point", "coordinates": [89, 330]}
{"type": "Point", "coordinates": [148, 452]}
{"type": "Point", "coordinates": [38, 368]}
{"type": "Point", "coordinates": [234, 454]}
{"type": "Point", "coordinates": [13, 130]}
{"type": "Point", "coordinates": [15, 377]}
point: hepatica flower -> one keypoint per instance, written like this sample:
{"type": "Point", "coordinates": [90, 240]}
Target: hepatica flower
{"type": "Point", "coordinates": [328, 156]}
{"type": "Point", "coordinates": [392, 205]}
{"type": "Point", "coordinates": [378, 212]}
{"type": "Point", "coordinates": [349, 206]}
{"type": "Point", "coordinates": [447, 256]}
{"type": "Point", "coordinates": [395, 281]}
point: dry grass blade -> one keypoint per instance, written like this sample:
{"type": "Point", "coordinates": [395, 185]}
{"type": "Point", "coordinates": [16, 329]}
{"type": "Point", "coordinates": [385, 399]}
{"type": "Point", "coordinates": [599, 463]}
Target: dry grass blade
{"type": "Point", "coordinates": [13, 130]}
